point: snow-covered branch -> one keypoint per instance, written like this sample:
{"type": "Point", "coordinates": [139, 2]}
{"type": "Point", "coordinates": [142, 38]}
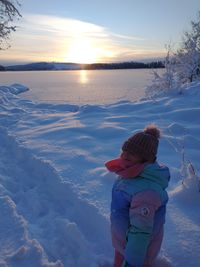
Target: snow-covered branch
{"type": "Point", "coordinates": [8, 12]}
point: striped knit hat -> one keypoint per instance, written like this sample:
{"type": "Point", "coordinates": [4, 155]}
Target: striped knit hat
{"type": "Point", "coordinates": [144, 144]}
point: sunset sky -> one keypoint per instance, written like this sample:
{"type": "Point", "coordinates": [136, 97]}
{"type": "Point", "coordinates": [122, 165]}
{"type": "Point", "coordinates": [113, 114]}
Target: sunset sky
{"type": "Point", "coordinates": [87, 31]}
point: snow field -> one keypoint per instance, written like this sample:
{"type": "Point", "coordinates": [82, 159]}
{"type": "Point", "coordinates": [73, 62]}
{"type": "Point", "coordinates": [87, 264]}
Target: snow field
{"type": "Point", "coordinates": [55, 191]}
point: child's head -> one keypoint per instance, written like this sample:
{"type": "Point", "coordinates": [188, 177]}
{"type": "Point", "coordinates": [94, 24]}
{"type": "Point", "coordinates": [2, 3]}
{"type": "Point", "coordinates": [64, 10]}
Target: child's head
{"type": "Point", "coordinates": [142, 146]}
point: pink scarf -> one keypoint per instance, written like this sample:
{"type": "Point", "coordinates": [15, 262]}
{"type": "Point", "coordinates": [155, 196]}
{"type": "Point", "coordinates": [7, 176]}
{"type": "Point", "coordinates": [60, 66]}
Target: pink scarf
{"type": "Point", "coordinates": [124, 168]}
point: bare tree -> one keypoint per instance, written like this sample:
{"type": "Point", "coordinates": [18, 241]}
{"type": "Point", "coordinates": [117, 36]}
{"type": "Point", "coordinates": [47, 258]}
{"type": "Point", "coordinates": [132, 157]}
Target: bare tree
{"type": "Point", "coordinates": [8, 12]}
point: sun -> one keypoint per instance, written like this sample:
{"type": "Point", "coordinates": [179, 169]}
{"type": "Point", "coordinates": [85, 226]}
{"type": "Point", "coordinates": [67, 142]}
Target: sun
{"type": "Point", "coordinates": [83, 51]}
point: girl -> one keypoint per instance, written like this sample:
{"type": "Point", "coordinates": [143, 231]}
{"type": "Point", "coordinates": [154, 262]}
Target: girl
{"type": "Point", "coordinates": [138, 200]}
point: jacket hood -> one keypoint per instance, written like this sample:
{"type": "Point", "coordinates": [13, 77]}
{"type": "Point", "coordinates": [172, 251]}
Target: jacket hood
{"type": "Point", "coordinates": [156, 173]}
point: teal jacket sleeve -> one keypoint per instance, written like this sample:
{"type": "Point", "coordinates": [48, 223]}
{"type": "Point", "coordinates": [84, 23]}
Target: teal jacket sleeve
{"type": "Point", "coordinates": [141, 213]}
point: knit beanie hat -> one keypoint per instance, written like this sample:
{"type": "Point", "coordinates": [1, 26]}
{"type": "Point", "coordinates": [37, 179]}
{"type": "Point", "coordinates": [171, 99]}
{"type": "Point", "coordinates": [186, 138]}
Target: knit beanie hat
{"type": "Point", "coordinates": [144, 144]}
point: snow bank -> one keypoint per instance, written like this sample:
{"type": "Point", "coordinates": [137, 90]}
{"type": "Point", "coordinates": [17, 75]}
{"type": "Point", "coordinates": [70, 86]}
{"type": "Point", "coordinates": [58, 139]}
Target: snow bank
{"type": "Point", "coordinates": [55, 192]}
{"type": "Point", "coordinates": [49, 212]}
{"type": "Point", "coordinates": [14, 89]}
{"type": "Point", "coordinates": [17, 249]}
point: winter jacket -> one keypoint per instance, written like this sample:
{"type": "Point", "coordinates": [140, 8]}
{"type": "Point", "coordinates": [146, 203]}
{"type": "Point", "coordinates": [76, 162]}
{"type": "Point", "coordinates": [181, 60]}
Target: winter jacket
{"type": "Point", "coordinates": [138, 213]}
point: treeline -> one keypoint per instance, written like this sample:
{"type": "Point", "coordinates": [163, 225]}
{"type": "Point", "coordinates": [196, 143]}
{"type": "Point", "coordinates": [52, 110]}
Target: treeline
{"type": "Point", "coordinates": [73, 66]}
{"type": "Point", "coordinates": [123, 65]}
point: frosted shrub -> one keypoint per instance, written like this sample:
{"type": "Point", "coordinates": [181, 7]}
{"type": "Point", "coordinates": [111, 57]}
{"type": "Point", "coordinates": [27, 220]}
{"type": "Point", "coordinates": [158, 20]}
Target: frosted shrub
{"type": "Point", "coordinates": [164, 82]}
{"type": "Point", "coordinates": [181, 66]}
{"type": "Point", "coordinates": [188, 173]}
{"type": "Point", "coordinates": [190, 178]}
{"type": "Point", "coordinates": [188, 55]}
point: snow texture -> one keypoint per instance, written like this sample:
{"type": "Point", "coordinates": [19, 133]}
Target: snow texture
{"type": "Point", "coordinates": [55, 191]}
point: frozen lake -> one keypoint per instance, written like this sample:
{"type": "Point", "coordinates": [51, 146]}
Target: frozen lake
{"type": "Point", "coordinates": [81, 87]}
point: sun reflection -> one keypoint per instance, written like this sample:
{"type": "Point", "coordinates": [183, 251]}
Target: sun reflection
{"type": "Point", "coordinates": [84, 76]}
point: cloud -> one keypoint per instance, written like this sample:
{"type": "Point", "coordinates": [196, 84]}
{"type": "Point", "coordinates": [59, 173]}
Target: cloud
{"type": "Point", "coordinates": [50, 38]}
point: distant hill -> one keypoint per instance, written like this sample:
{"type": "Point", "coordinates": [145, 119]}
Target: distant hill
{"type": "Point", "coordinates": [44, 66]}
{"type": "Point", "coordinates": [2, 68]}
{"type": "Point", "coordinates": [73, 66]}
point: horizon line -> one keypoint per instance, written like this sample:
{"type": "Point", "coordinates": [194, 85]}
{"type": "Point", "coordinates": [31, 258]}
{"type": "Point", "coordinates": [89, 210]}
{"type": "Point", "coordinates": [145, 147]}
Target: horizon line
{"type": "Point", "coordinates": [144, 60]}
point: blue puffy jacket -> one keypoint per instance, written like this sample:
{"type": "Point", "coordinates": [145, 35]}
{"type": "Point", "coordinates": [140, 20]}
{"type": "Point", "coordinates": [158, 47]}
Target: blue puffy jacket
{"type": "Point", "coordinates": [138, 213]}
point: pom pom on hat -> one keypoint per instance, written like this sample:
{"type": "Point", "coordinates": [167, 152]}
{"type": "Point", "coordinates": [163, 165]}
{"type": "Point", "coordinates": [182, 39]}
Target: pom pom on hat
{"type": "Point", "coordinates": [152, 130]}
{"type": "Point", "coordinates": [144, 144]}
